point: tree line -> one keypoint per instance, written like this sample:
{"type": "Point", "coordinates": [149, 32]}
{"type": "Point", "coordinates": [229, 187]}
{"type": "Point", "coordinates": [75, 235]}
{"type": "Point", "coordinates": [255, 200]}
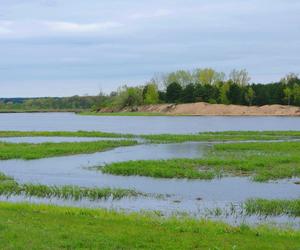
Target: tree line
{"type": "Point", "coordinates": [208, 85]}
{"type": "Point", "coordinates": [182, 86]}
{"type": "Point", "coordinates": [51, 103]}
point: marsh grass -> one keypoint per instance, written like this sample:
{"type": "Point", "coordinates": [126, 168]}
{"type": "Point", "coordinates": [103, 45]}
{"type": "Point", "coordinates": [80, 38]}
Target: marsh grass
{"type": "Point", "coordinates": [167, 138]}
{"type": "Point", "coordinates": [224, 136]}
{"type": "Point", "coordinates": [29, 151]}
{"type": "Point", "coordinates": [9, 187]}
{"type": "Point", "coordinates": [181, 168]}
{"type": "Point", "coordinates": [62, 134]}
{"type": "Point", "coordinates": [78, 228]}
{"type": "Point", "coordinates": [262, 161]}
{"type": "Point", "coordinates": [265, 207]}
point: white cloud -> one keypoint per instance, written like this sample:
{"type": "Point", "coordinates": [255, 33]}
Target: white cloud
{"type": "Point", "coordinates": [81, 28]}
{"type": "Point", "coordinates": [45, 28]}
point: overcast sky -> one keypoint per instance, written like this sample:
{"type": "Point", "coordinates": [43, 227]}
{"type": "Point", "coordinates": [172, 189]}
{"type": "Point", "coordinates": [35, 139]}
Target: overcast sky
{"type": "Point", "coordinates": [67, 47]}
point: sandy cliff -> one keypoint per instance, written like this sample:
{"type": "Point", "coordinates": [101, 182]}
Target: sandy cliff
{"type": "Point", "coordinates": [201, 108]}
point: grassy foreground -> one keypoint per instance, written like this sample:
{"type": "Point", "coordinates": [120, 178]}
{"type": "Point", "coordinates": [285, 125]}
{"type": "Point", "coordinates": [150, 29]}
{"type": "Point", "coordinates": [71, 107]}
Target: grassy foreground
{"type": "Point", "coordinates": [262, 161]}
{"type": "Point", "coordinates": [28, 151]}
{"type": "Point", "coordinates": [52, 227]}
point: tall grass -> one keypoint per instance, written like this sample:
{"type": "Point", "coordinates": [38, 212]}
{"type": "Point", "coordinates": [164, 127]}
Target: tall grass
{"type": "Point", "coordinates": [9, 187]}
{"type": "Point", "coordinates": [272, 207]}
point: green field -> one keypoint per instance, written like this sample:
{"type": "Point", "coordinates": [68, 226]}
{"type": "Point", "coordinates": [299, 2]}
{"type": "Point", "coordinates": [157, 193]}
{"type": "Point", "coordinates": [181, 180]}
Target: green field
{"type": "Point", "coordinates": [26, 226]}
{"type": "Point", "coordinates": [29, 151]}
{"type": "Point", "coordinates": [261, 160]}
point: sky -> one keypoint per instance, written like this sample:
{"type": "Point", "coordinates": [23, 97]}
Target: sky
{"type": "Point", "coordinates": [69, 47]}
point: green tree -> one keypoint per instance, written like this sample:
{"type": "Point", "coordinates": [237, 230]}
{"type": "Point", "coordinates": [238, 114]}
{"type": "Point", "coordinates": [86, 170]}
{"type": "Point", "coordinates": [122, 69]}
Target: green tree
{"type": "Point", "coordinates": [296, 95]}
{"type": "Point", "coordinates": [224, 89]}
{"type": "Point", "coordinates": [182, 77]}
{"type": "Point", "coordinates": [129, 97]}
{"type": "Point", "coordinates": [188, 93]}
{"type": "Point", "coordinates": [288, 95]}
{"type": "Point", "coordinates": [235, 94]}
{"type": "Point", "coordinates": [150, 94]}
{"type": "Point", "coordinates": [249, 96]}
{"type": "Point", "coordinates": [208, 76]}
{"type": "Point", "coordinates": [174, 91]}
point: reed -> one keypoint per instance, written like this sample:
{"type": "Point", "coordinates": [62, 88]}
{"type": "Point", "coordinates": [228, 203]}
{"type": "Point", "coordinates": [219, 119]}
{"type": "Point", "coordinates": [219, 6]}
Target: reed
{"type": "Point", "coordinates": [9, 187]}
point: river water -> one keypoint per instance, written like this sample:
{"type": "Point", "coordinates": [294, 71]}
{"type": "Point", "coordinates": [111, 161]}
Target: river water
{"type": "Point", "coordinates": [195, 197]}
{"type": "Point", "coordinates": [142, 124]}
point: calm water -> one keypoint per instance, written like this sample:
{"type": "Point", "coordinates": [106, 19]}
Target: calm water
{"type": "Point", "coordinates": [75, 170]}
{"type": "Point", "coordinates": [195, 197]}
{"type": "Point", "coordinates": [142, 125]}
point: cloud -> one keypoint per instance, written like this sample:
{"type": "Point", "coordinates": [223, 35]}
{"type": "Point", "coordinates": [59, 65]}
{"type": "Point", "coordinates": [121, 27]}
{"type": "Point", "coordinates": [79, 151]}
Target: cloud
{"type": "Point", "coordinates": [81, 28]}
{"type": "Point", "coordinates": [43, 28]}
{"type": "Point", "coordinates": [116, 42]}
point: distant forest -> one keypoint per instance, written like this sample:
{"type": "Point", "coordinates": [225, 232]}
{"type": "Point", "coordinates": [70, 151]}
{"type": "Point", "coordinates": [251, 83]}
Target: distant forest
{"type": "Point", "coordinates": [200, 85]}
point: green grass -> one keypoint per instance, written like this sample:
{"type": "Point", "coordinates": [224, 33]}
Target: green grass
{"type": "Point", "coordinates": [5, 178]}
{"type": "Point", "coordinates": [272, 207]}
{"type": "Point", "coordinates": [263, 161]}
{"type": "Point", "coordinates": [9, 187]}
{"type": "Point", "coordinates": [62, 134]}
{"type": "Point", "coordinates": [25, 226]}
{"type": "Point", "coordinates": [181, 168]}
{"type": "Point", "coordinates": [224, 136]}
{"type": "Point", "coordinates": [167, 138]}
{"type": "Point", "coordinates": [28, 151]}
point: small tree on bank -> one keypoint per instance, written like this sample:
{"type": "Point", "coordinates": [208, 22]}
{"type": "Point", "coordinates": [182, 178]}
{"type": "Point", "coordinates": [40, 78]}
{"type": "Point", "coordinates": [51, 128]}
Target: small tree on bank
{"type": "Point", "coordinates": [150, 94]}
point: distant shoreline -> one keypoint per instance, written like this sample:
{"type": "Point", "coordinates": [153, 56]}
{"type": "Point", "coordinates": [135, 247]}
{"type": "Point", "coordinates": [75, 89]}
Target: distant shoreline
{"type": "Point", "coordinates": [41, 111]}
{"type": "Point", "coordinates": [188, 109]}
{"type": "Point", "coordinates": [201, 109]}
